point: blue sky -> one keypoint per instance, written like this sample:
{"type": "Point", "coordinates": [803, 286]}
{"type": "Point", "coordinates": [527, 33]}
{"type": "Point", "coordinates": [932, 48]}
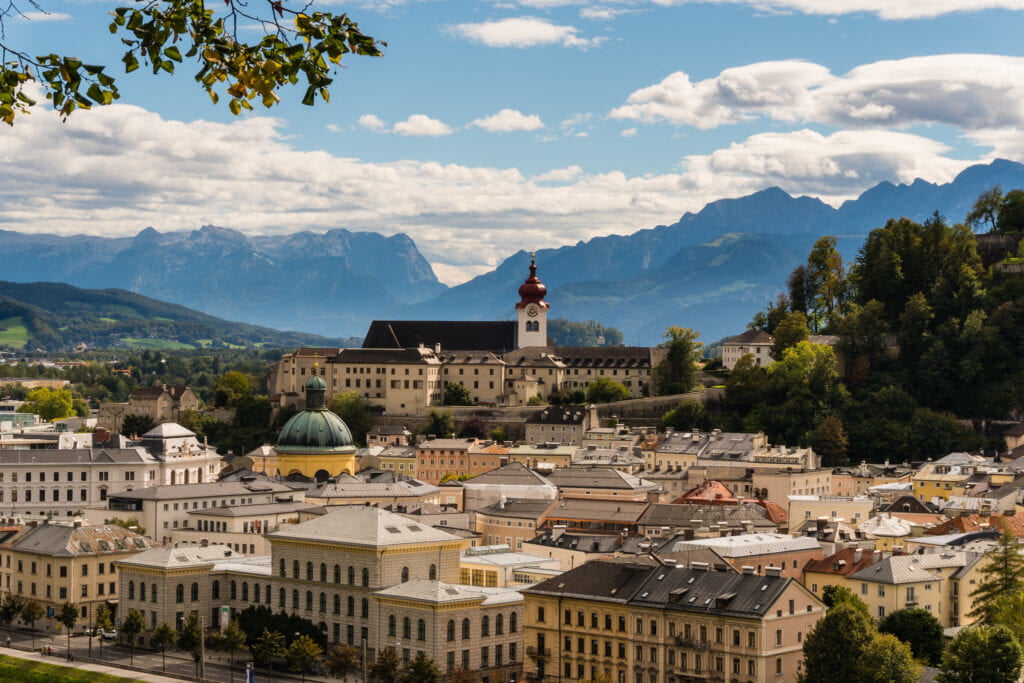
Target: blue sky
{"type": "Point", "coordinates": [490, 127]}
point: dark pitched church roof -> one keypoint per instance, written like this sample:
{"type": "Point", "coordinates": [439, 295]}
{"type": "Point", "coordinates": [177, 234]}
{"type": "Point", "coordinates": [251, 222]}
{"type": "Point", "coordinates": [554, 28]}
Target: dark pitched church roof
{"type": "Point", "coordinates": [453, 335]}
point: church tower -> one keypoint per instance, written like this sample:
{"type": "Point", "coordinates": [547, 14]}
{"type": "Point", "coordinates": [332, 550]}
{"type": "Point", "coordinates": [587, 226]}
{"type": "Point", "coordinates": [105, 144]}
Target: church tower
{"type": "Point", "coordinates": [532, 311]}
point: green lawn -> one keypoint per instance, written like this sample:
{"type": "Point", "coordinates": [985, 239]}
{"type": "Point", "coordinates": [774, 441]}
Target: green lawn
{"type": "Point", "coordinates": [13, 332]}
{"type": "Point", "coordinates": [30, 671]}
{"type": "Point", "coordinates": [109, 320]}
{"type": "Point", "coordinates": [161, 344]}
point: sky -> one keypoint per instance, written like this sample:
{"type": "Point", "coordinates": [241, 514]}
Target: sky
{"type": "Point", "coordinates": [494, 126]}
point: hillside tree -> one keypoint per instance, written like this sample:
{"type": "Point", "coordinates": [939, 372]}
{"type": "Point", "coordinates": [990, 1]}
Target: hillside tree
{"type": "Point", "coordinates": [1003, 575]}
{"type": "Point", "coordinates": [791, 330]}
{"type": "Point", "coordinates": [676, 374]}
{"type": "Point", "coordinates": [356, 412]}
{"type": "Point", "coordinates": [981, 654]}
{"type": "Point", "coordinates": [985, 210]}
{"type": "Point", "coordinates": [456, 394]}
{"type": "Point", "coordinates": [606, 390]}
{"type": "Point", "coordinates": [48, 404]}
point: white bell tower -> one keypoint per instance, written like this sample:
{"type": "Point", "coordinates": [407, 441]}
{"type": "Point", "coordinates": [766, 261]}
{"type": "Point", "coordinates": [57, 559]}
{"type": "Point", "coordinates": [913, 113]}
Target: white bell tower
{"type": "Point", "coordinates": [532, 311]}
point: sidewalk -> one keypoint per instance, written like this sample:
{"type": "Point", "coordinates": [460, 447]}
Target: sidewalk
{"type": "Point", "coordinates": [98, 668]}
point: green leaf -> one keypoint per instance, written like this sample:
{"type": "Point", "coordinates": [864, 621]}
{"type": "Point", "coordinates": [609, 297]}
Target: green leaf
{"type": "Point", "coordinates": [173, 53]}
{"type": "Point", "coordinates": [310, 96]}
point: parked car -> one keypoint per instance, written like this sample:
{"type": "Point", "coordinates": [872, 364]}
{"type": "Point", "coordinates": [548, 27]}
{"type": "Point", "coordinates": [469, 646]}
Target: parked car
{"type": "Point", "coordinates": [109, 635]}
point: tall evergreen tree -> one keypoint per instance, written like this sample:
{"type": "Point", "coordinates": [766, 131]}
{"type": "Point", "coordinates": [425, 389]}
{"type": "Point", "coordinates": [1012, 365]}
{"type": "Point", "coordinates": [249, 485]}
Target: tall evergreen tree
{"type": "Point", "coordinates": [1003, 575]}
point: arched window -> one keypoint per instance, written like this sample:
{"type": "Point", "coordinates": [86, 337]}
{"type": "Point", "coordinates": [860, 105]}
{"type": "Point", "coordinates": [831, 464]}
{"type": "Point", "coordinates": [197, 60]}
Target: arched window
{"type": "Point", "coordinates": [451, 630]}
{"type": "Point", "coordinates": [234, 591]}
{"type": "Point", "coordinates": [485, 626]}
{"type": "Point", "coordinates": [405, 574]}
{"type": "Point", "coordinates": [309, 600]}
{"type": "Point", "coordinates": [337, 574]}
{"type": "Point", "coordinates": [323, 602]}
{"type": "Point", "coordinates": [512, 625]}
{"type": "Point", "coordinates": [323, 573]}
{"type": "Point", "coordinates": [421, 630]}
{"type": "Point", "coordinates": [406, 628]}
{"type": "Point", "coordinates": [194, 596]}
{"type": "Point", "coordinates": [465, 629]}
{"type": "Point", "coordinates": [245, 591]}
{"type": "Point", "coordinates": [351, 611]}
{"type": "Point", "coordinates": [309, 571]}
{"type": "Point", "coordinates": [295, 599]}
{"type": "Point", "coordinates": [281, 601]}
{"type": "Point", "coordinates": [142, 591]}
{"type": "Point", "coordinates": [152, 592]}
{"type": "Point", "coordinates": [295, 569]}
{"type": "Point", "coordinates": [392, 626]}
{"type": "Point", "coordinates": [266, 592]}
{"type": "Point", "coordinates": [256, 592]}
{"type": "Point", "coordinates": [337, 604]}
{"type": "Point", "coordinates": [131, 590]}
{"type": "Point", "coordinates": [433, 572]}
{"type": "Point", "coordinates": [282, 568]}
{"type": "Point", "coordinates": [179, 593]}
{"type": "Point", "coordinates": [365, 609]}
{"type": "Point", "coordinates": [366, 577]}
{"type": "Point", "coordinates": [351, 576]}
{"type": "Point", "coordinates": [499, 625]}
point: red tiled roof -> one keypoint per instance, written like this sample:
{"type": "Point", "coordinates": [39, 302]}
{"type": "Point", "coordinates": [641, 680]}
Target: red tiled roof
{"type": "Point", "coordinates": [968, 523]}
{"type": "Point", "coordinates": [841, 563]}
{"type": "Point", "coordinates": [774, 512]}
{"type": "Point", "coordinates": [712, 491]}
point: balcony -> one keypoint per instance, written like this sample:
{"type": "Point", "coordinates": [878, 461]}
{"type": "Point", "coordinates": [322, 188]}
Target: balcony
{"type": "Point", "coordinates": [691, 642]}
{"type": "Point", "coordinates": [534, 651]}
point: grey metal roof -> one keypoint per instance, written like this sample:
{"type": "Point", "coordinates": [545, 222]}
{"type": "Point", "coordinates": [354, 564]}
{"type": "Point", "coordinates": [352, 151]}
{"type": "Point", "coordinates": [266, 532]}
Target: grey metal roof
{"type": "Point", "coordinates": [749, 545]}
{"type": "Point", "coordinates": [359, 489]}
{"type": "Point", "coordinates": [60, 540]}
{"type": "Point", "coordinates": [514, 473]}
{"type": "Point", "coordinates": [364, 526]}
{"type": "Point", "coordinates": [179, 491]}
{"type": "Point", "coordinates": [688, 514]}
{"type": "Point", "coordinates": [896, 570]}
{"type": "Point", "coordinates": [10, 457]}
{"type": "Point", "coordinates": [517, 508]}
{"type": "Point", "coordinates": [602, 478]}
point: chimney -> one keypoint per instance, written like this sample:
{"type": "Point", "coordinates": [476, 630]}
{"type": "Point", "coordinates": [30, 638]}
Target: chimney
{"type": "Point", "coordinates": [204, 543]}
{"type": "Point", "coordinates": [773, 571]}
{"type": "Point", "coordinates": [557, 531]}
{"type": "Point", "coordinates": [700, 566]}
{"type": "Point", "coordinates": [858, 555]}
{"type": "Point", "coordinates": [820, 523]}
{"type": "Point", "coordinates": [747, 569]}
{"type": "Point", "coordinates": [437, 347]}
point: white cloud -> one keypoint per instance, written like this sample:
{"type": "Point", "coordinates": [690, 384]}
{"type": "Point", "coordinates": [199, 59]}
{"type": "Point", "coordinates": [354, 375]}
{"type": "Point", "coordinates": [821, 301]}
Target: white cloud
{"type": "Point", "coordinates": [97, 170]}
{"type": "Point", "coordinates": [508, 120]}
{"type": "Point", "coordinates": [628, 133]}
{"type": "Point", "coordinates": [885, 9]}
{"type": "Point", "coordinates": [43, 16]}
{"type": "Point", "coordinates": [334, 128]}
{"type": "Point", "coordinates": [523, 32]}
{"type": "Point", "coordinates": [969, 91]}
{"type": "Point", "coordinates": [603, 13]}
{"type": "Point", "coordinates": [371, 122]}
{"type": "Point", "coordinates": [422, 125]}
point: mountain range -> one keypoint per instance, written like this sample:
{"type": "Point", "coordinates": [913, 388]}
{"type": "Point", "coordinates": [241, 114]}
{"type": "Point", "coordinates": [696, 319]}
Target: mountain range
{"type": "Point", "coordinates": [711, 270]}
{"type": "Point", "coordinates": [52, 315]}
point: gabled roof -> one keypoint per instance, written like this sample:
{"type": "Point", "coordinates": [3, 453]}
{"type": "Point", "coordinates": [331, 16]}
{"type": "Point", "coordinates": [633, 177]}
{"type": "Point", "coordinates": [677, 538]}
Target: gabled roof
{"type": "Point", "coordinates": [752, 336]}
{"type": "Point", "coordinates": [580, 509]}
{"type": "Point", "coordinates": [897, 569]}
{"type": "Point", "coordinates": [168, 430]}
{"type": "Point", "coordinates": [673, 588]}
{"type": "Point", "coordinates": [60, 540]}
{"type": "Point", "coordinates": [514, 474]}
{"type": "Point", "coordinates": [711, 491]}
{"type": "Point", "coordinates": [968, 523]}
{"type": "Point", "coordinates": [364, 526]}
{"type": "Point", "coordinates": [401, 356]}
{"type": "Point", "coordinates": [518, 508]}
{"type": "Point", "coordinates": [842, 563]}
{"type": "Point", "coordinates": [752, 545]}
{"type": "Point", "coordinates": [597, 478]}
{"type": "Point", "coordinates": [452, 335]}
{"type": "Point", "coordinates": [183, 556]}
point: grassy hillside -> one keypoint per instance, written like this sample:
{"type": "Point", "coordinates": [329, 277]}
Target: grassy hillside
{"type": "Point", "coordinates": [54, 316]}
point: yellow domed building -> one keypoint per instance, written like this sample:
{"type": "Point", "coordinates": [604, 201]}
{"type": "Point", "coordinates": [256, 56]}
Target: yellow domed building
{"type": "Point", "coordinates": [315, 443]}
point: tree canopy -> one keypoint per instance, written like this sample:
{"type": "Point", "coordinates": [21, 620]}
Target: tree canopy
{"type": "Point", "coordinates": [981, 654]}
{"type": "Point", "coordinates": [919, 629]}
{"type": "Point", "coordinates": [606, 390]}
{"type": "Point", "coordinates": [676, 374]}
{"type": "Point", "coordinates": [290, 46]}
{"type": "Point", "coordinates": [49, 404]}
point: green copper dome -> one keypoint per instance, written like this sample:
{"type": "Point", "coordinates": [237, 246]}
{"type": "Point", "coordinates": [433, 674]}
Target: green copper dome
{"type": "Point", "coordinates": [315, 431]}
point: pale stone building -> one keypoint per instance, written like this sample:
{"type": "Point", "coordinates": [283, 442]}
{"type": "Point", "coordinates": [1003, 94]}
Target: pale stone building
{"type": "Point", "coordinates": [66, 562]}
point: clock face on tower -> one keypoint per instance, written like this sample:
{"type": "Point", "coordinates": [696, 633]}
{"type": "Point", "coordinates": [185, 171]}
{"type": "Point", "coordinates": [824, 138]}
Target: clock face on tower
{"type": "Point", "coordinates": [532, 310]}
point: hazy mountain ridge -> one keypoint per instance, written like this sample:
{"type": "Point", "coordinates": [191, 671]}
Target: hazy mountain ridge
{"type": "Point", "coordinates": [687, 274]}
{"type": "Point", "coordinates": [332, 282]}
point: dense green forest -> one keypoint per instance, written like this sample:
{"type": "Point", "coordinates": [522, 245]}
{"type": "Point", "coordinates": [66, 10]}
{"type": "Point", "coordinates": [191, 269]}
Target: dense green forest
{"type": "Point", "coordinates": [930, 339]}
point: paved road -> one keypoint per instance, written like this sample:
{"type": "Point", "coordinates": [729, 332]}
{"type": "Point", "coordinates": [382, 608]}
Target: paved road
{"type": "Point", "coordinates": [177, 664]}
